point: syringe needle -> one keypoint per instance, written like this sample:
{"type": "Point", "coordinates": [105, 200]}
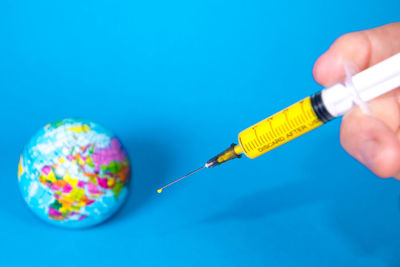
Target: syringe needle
{"type": "Point", "coordinates": [161, 189]}
{"type": "Point", "coordinates": [232, 152]}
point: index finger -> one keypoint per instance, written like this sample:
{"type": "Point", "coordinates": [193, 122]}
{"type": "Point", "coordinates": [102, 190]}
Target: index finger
{"type": "Point", "coordinates": [363, 48]}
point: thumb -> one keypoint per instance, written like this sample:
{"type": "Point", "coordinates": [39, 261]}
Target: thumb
{"type": "Point", "coordinates": [371, 142]}
{"type": "Point", "coordinates": [374, 141]}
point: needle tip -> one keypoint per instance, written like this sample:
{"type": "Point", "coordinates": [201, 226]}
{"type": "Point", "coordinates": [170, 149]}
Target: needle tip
{"type": "Point", "coordinates": [159, 191]}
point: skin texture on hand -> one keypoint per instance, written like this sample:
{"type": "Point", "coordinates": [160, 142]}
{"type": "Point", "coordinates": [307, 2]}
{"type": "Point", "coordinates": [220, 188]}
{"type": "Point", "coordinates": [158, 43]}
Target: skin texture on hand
{"type": "Point", "coordinates": [373, 139]}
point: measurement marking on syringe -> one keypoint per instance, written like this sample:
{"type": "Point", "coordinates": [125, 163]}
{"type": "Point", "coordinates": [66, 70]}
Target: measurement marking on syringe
{"type": "Point", "coordinates": [257, 140]}
{"type": "Point", "coordinates": [246, 147]}
{"type": "Point", "coordinates": [291, 124]}
{"type": "Point", "coordinates": [286, 128]}
{"type": "Point", "coordinates": [251, 147]}
{"type": "Point", "coordinates": [254, 143]}
{"type": "Point", "coordinates": [263, 138]}
{"type": "Point", "coordinates": [310, 114]}
{"type": "Point", "coordinates": [261, 141]}
{"type": "Point", "coordinates": [302, 108]}
{"type": "Point", "coordinates": [287, 118]}
{"type": "Point", "coordinates": [266, 136]}
{"type": "Point", "coordinates": [272, 128]}
{"type": "Point", "coordinates": [307, 115]}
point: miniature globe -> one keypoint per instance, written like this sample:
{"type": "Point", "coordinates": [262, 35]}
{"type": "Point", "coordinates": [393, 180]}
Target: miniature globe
{"type": "Point", "coordinates": [74, 173]}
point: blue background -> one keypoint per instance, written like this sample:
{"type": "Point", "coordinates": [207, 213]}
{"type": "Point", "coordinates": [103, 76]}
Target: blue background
{"type": "Point", "coordinates": [177, 80]}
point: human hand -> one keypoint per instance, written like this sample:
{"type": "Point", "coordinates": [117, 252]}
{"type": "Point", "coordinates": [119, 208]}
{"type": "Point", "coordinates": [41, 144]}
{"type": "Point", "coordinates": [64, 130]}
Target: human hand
{"type": "Point", "coordinates": [373, 139]}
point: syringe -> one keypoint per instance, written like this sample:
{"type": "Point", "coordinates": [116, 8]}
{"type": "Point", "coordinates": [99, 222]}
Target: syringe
{"type": "Point", "coordinates": [310, 113]}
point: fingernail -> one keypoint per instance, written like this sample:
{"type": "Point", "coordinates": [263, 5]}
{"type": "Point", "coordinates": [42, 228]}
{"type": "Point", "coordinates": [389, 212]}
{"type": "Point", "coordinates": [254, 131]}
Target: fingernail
{"type": "Point", "coordinates": [369, 150]}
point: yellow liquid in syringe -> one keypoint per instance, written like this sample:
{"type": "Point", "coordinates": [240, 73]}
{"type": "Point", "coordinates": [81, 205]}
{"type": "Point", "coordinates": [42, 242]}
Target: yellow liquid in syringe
{"type": "Point", "coordinates": [278, 129]}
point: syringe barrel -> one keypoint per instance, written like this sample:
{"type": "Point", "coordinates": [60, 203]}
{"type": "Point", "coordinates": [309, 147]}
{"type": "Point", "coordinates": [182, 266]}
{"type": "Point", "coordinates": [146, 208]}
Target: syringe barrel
{"type": "Point", "coordinates": [284, 126]}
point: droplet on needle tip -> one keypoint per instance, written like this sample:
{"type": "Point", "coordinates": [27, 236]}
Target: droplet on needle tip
{"type": "Point", "coordinates": [159, 191]}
